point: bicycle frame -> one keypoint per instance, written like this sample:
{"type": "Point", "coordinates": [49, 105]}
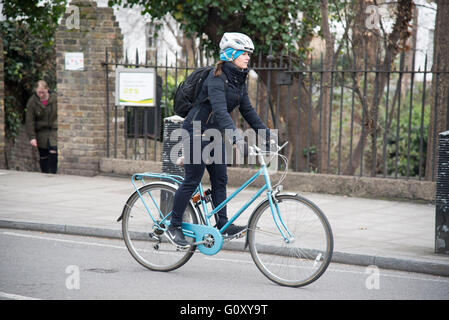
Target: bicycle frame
{"type": "Point", "coordinates": [266, 187]}
{"type": "Point", "coordinates": [207, 215]}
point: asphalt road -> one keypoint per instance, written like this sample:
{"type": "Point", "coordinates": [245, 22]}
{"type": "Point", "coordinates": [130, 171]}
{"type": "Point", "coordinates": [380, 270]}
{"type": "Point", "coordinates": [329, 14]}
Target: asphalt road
{"type": "Point", "coordinates": [37, 265]}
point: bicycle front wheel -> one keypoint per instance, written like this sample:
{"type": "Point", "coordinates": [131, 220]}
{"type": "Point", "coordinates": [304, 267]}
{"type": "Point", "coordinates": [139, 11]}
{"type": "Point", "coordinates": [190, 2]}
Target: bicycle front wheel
{"type": "Point", "coordinates": [307, 253]}
{"type": "Point", "coordinates": [144, 238]}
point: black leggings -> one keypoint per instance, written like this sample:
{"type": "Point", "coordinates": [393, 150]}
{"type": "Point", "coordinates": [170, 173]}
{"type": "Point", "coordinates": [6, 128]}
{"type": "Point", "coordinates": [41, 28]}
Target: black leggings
{"type": "Point", "coordinates": [193, 175]}
{"type": "Point", "coordinates": [48, 159]}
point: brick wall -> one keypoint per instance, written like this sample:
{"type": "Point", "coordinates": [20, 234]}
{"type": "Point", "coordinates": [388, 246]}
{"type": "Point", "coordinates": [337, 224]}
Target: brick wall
{"type": "Point", "coordinates": [21, 155]}
{"type": "Point", "coordinates": [82, 94]}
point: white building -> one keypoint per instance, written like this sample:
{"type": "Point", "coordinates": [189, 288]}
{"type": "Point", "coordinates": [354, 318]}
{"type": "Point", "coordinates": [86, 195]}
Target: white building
{"type": "Point", "coordinates": [138, 34]}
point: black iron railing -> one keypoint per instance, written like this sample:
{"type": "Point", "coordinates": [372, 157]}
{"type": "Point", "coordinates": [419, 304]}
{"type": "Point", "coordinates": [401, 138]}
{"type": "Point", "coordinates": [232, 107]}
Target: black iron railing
{"type": "Point", "coordinates": [342, 120]}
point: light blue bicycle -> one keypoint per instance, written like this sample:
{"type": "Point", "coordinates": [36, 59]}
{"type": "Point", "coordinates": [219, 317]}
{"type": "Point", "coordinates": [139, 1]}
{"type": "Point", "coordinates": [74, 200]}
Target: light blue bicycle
{"type": "Point", "coordinates": [289, 238]}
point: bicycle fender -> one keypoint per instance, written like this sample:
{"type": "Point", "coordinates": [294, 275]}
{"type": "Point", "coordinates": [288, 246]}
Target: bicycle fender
{"type": "Point", "coordinates": [257, 208]}
{"type": "Point", "coordinates": [156, 182]}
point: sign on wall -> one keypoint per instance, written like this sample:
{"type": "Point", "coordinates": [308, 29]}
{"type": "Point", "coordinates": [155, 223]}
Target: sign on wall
{"type": "Point", "coordinates": [74, 61]}
{"type": "Point", "coordinates": [135, 87]}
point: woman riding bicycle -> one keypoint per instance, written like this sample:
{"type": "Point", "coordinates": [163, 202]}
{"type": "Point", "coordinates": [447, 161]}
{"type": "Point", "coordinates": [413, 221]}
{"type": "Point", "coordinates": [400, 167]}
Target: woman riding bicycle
{"type": "Point", "coordinates": [218, 99]}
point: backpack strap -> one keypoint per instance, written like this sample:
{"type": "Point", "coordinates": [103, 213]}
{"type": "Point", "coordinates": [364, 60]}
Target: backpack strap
{"type": "Point", "coordinates": [225, 80]}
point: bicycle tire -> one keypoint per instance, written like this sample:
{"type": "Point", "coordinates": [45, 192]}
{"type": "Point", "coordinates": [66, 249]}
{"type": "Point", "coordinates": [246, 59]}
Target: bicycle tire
{"type": "Point", "coordinates": [293, 264]}
{"type": "Point", "coordinates": [145, 239]}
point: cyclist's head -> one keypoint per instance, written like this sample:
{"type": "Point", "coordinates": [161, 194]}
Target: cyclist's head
{"type": "Point", "coordinates": [233, 44]}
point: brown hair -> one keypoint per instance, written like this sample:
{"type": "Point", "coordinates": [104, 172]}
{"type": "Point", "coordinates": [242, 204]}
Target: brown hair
{"type": "Point", "coordinates": [41, 83]}
{"type": "Point", "coordinates": [218, 68]}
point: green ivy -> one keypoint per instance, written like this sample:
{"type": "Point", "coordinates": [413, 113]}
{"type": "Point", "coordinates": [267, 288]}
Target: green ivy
{"type": "Point", "coordinates": [29, 53]}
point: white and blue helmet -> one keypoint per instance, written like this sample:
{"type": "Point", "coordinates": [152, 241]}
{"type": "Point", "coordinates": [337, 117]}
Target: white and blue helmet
{"type": "Point", "coordinates": [237, 41]}
{"type": "Point", "coordinates": [233, 44]}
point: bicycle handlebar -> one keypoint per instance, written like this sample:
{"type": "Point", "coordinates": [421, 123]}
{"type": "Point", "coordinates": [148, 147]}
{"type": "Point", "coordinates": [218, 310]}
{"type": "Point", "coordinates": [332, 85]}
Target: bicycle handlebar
{"type": "Point", "coordinates": [255, 150]}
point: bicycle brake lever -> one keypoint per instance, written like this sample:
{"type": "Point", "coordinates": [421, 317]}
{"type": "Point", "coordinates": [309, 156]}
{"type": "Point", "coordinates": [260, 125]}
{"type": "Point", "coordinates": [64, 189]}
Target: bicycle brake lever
{"type": "Point", "coordinates": [252, 150]}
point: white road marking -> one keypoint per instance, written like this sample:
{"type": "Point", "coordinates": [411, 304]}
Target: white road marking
{"type": "Point", "coordinates": [330, 269]}
{"type": "Point", "coordinates": [15, 296]}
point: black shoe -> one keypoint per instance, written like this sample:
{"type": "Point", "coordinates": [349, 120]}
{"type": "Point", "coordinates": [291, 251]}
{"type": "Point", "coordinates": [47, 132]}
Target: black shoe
{"type": "Point", "coordinates": [234, 230]}
{"type": "Point", "coordinates": [176, 235]}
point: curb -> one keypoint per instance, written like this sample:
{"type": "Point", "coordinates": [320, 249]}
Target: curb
{"type": "Point", "coordinates": [408, 265]}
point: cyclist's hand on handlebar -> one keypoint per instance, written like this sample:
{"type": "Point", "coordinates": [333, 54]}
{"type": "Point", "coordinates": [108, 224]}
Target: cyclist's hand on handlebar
{"type": "Point", "coordinates": [243, 147]}
{"type": "Point", "coordinates": [271, 145]}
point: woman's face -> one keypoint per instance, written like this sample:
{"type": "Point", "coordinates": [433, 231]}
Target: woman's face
{"type": "Point", "coordinates": [42, 92]}
{"type": "Point", "coordinates": [242, 60]}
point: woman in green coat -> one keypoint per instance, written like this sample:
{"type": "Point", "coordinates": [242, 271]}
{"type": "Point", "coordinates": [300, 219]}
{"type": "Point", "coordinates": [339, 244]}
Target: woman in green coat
{"type": "Point", "coordinates": [42, 126]}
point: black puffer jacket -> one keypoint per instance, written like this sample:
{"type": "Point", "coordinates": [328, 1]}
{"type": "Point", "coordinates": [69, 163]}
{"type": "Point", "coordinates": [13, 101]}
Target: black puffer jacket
{"type": "Point", "coordinates": [214, 112]}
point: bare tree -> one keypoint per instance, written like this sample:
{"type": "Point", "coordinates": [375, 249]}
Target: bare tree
{"type": "Point", "coordinates": [439, 113]}
{"type": "Point", "coordinates": [367, 44]}
{"type": "Point", "coordinates": [190, 48]}
{"type": "Point", "coordinates": [327, 65]}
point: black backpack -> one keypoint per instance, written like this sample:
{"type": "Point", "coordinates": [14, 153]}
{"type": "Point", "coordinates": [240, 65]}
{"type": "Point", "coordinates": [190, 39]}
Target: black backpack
{"type": "Point", "coordinates": [188, 90]}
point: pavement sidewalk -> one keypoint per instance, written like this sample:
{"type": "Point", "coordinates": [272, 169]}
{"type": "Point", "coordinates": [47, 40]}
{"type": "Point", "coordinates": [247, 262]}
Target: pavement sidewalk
{"type": "Point", "coordinates": [389, 234]}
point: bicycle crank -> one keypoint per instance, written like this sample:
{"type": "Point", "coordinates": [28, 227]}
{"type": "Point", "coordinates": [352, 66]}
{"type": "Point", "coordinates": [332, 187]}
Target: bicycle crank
{"type": "Point", "coordinates": [208, 239]}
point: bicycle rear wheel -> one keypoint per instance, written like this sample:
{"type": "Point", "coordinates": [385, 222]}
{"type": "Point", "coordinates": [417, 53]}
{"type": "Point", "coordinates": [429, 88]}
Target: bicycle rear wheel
{"type": "Point", "coordinates": [302, 260]}
{"type": "Point", "coordinates": [145, 239]}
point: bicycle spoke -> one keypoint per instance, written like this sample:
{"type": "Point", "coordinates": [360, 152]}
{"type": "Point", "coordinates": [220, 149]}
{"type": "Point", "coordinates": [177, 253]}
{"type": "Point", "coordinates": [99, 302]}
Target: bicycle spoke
{"type": "Point", "coordinates": [144, 237]}
{"type": "Point", "coordinates": [300, 261]}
